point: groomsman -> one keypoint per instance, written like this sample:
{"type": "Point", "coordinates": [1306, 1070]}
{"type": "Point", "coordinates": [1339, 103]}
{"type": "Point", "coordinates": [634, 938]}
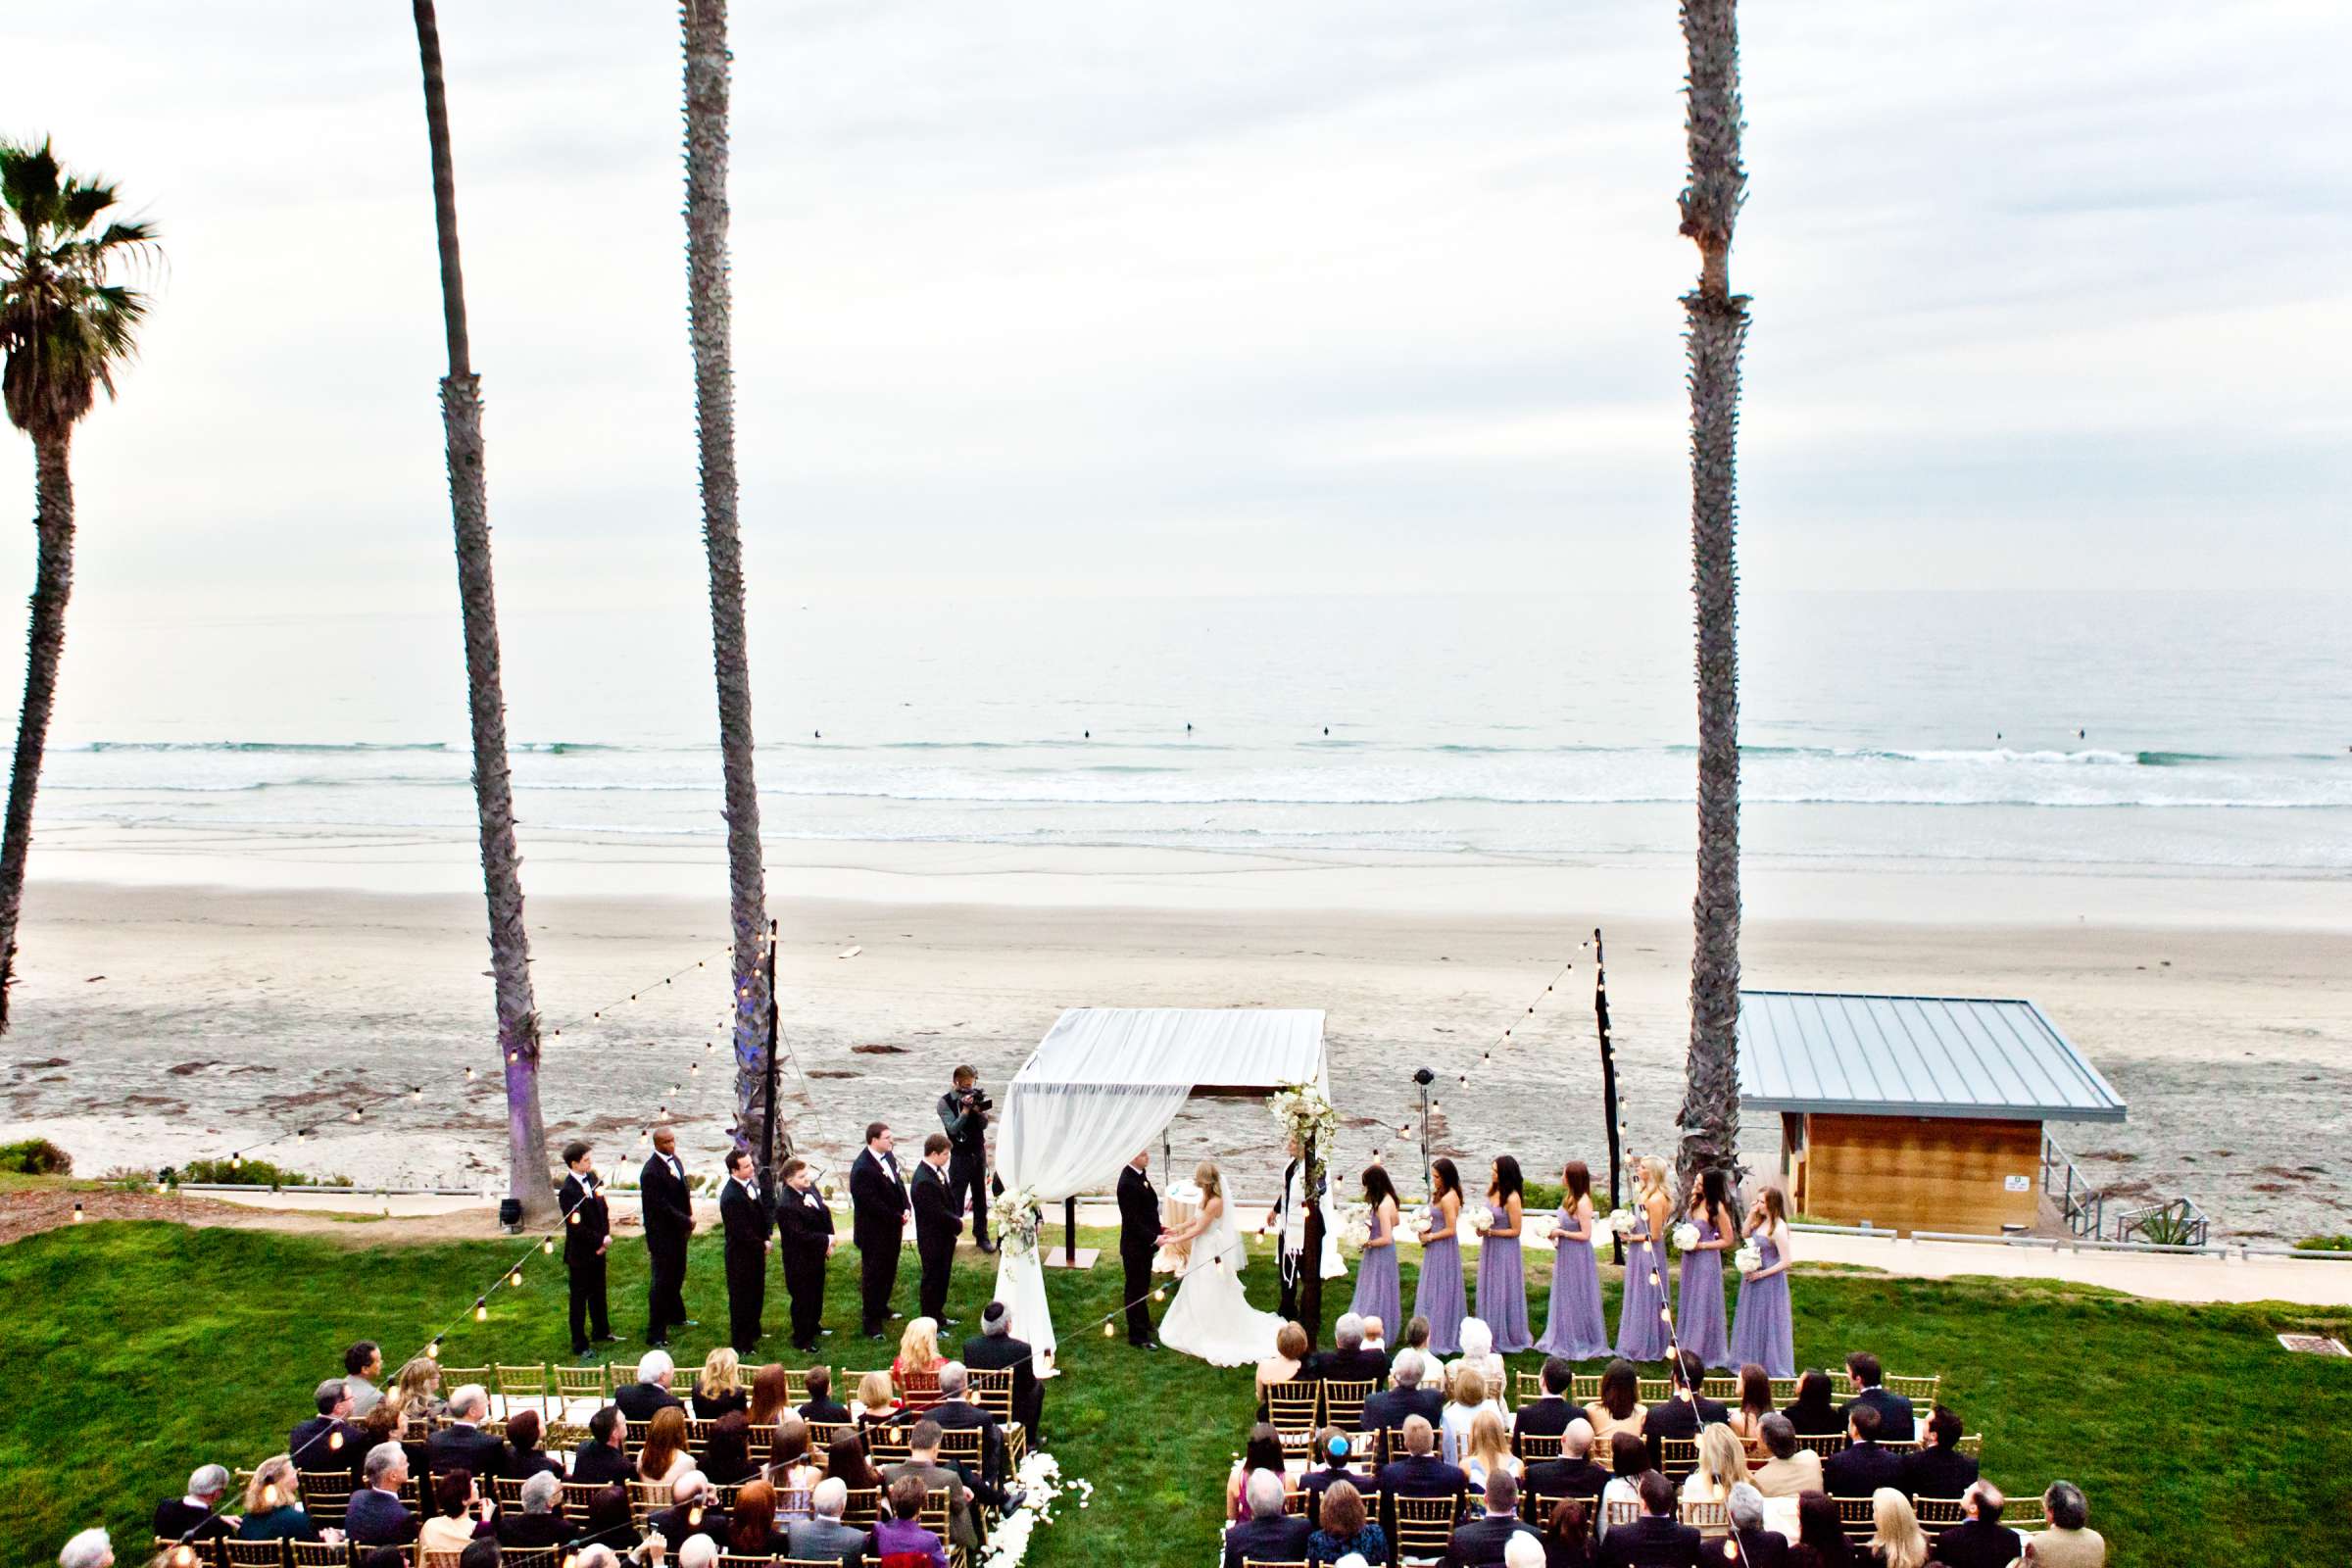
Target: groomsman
{"type": "Point", "coordinates": [808, 1241]}
{"type": "Point", "coordinates": [668, 1220]}
{"type": "Point", "coordinates": [1139, 1240]}
{"type": "Point", "coordinates": [587, 1238]}
{"type": "Point", "coordinates": [879, 1222]}
{"type": "Point", "coordinates": [937, 1224]}
{"type": "Point", "coordinates": [744, 1219]}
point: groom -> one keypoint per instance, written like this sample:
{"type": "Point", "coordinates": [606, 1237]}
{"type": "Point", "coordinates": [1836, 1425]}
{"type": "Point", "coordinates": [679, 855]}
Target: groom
{"type": "Point", "coordinates": [1288, 1218]}
{"type": "Point", "coordinates": [1139, 1240]}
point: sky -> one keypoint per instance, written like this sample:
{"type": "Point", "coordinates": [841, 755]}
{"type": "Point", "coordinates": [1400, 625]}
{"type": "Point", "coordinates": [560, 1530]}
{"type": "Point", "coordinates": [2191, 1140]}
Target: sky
{"type": "Point", "coordinates": [1327, 296]}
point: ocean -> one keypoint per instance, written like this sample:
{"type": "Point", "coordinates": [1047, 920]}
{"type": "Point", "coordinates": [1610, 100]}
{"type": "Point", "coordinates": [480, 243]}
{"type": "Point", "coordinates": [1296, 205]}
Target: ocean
{"type": "Point", "coordinates": [2206, 733]}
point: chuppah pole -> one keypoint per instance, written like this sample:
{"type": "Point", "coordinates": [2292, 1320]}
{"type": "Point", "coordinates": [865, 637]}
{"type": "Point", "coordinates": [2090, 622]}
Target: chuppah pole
{"type": "Point", "coordinates": [1608, 1079]}
{"type": "Point", "coordinates": [1310, 1257]}
{"type": "Point", "coordinates": [1069, 1231]}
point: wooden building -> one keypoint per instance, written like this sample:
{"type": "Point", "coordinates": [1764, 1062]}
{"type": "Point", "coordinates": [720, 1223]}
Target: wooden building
{"type": "Point", "coordinates": [1912, 1112]}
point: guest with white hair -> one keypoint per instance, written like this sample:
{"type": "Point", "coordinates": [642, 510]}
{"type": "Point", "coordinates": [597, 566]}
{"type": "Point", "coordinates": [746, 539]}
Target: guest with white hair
{"type": "Point", "coordinates": [376, 1516]}
{"type": "Point", "coordinates": [1759, 1545]}
{"type": "Point", "coordinates": [197, 1515]}
{"type": "Point", "coordinates": [1376, 1336]}
{"type": "Point", "coordinates": [541, 1521]}
{"type": "Point", "coordinates": [956, 1412]}
{"type": "Point", "coordinates": [462, 1445]}
{"type": "Point", "coordinates": [994, 1349]}
{"type": "Point", "coordinates": [89, 1550]}
{"type": "Point", "coordinates": [1268, 1534]}
{"type": "Point", "coordinates": [822, 1537]}
{"type": "Point", "coordinates": [1348, 1361]}
{"type": "Point", "coordinates": [1478, 1351]}
{"type": "Point", "coordinates": [1405, 1397]}
{"type": "Point", "coordinates": [1523, 1551]}
{"type": "Point", "coordinates": [1470, 1396]}
{"type": "Point", "coordinates": [698, 1551]}
{"type": "Point", "coordinates": [638, 1400]}
{"type": "Point", "coordinates": [1980, 1538]}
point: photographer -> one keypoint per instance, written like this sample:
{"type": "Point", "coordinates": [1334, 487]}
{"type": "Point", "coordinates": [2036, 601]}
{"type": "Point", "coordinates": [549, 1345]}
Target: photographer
{"type": "Point", "coordinates": [963, 1114]}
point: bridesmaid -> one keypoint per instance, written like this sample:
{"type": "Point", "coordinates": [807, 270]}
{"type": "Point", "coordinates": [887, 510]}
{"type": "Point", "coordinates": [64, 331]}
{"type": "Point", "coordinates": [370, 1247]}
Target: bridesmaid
{"type": "Point", "coordinates": [1376, 1290]}
{"type": "Point", "coordinates": [1576, 1330]}
{"type": "Point", "coordinates": [1640, 1330]}
{"type": "Point", "coordinates": [1698, 1312]}
{"type": "Point", "coordinates": [1438, 1298]}
{"type": "Point", "coordinates": [1501, 1264]}
{"type": "Point", "coordinates": [1762, 1329]}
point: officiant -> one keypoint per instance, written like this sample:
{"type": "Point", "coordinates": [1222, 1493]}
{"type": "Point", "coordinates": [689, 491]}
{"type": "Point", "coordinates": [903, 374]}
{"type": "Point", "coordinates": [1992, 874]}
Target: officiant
{"type": "Point", "coordinates": [1288, 1219]}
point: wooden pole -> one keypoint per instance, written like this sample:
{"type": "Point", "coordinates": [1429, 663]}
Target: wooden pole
{"type": "Point", "coordinates": [1608, 1079]}
{"type": "Point", "coordinates": [1310, 1287]}
{"type": "Point", "coordinates": [1069, 1231]}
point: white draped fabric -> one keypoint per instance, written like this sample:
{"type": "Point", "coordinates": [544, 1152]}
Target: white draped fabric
{"type": "Point", "coordinates": [1101, 1087]}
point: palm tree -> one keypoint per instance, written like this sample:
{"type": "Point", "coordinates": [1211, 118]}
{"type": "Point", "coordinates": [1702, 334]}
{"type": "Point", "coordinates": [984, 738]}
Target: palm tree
{"type": "Point", "coordinates": [704, 23]}
{"type": "Point", "coordinates": [64, 329]}
{"type": "Point", "coordinates": [1718, 324]}
{"type": "Point", "coordinates": [477, 599]}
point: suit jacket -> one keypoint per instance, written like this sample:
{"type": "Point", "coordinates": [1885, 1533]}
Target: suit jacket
{"type": "Point", "coordinates": [1763, 1548]}
{"type": "Point", "coordinates": [1939, 1472]}
{"type": "Point", "coordinates": [1791, 1477]}
{"type": "Point", "coordinates": [962, 1415]}
{"type": "Point", "coordinates": [1676, 1418]}
{"type": "Point", "coordinates": [1651, 1542]}
{"type": "Point", "coordinates": [639, 1400]}
{"type": "Point", "coordinates": [746, 1222]}
{"type": "Point", "coordinates": [1860, 1469]}
{"type": "Point", "coordinates": [936, 1222]}
{"type": "Point", "coordinates": [1282, 1539]}
{"type": "Point", "coordinates": [1896, 1424]}
{"type": "Point", "coordinates": [526, 1529]}
{"type": "Point", "coordinates": [999, 1352]}
{"type": "Point", "coordinates": [602, 1463]}
{"type": "Point", "coordinates": [707, 1519]}
{"type": "Point", "coordinates": [466, 1448]}
{"type": "Point", "coordinates": [1139, 1215]}
{"type": "Point", "coordinates": [669, 1206]}
{"type": "Point", "coordinates": [1350, 1366]}
{"type": "Point", "coordinates": [588, 1219]}
{"type": "Point", "coordinates": [1318, 1481]}
{"type": "Point", "coordinates": [1974, 1543]}
{"type": "Point", "coordinates": [175, 1517]}
{"type": "Point", "coordinates": [1563, 1477]}
{"type": "Point", "coordinates": [521, 1464]}
{"type": "Point", "coordinates": [379, 1519]}
{"type": "Point", "coordinates": [825, 1411]}
{"type": "Point", "coordinates": [1480, 1542]}
{"type": "Point", "coordinates": [943, 1478]}
{"type": "Point", "coordinates": [877, 1203]}
{"type": "Point", "coordinates": [1388, 1409]}
{"type": "Point", "coordinates": [827, 1541]}
{"type": "Point", "coordinates": [1544, 1417]}
{"type": "Point", "coordinates": [1426, 1477]}
{"type": "Point", "coordinates": [312, 1447]}
{"type": "Point", "coordinates": [807, 1223]}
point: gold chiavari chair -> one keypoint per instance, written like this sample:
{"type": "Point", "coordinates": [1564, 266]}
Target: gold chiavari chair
{"type": "Point", "coordinates": [1856, 1517]}
{"type": "Point", "coordinates": [1425, 1525]}
{"type": "Point", "coordinates": [1344, 1402]}
{"type": "Point", "coordinates": [1291, 1408]}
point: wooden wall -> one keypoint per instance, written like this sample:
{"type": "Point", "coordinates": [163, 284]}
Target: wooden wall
{"type": "Point", "coordinates": [1933, 1173]}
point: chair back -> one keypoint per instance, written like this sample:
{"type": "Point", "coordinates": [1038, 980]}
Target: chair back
{"type": "Point", "coordinates": [580, 1383]}
{"type": "Point", "coordinates": [1540, 1446]}
{"type": "Point", "coordinates": [1295, 1502]}
{"type": "Point", "coordinates": [1290, 1409]}
{"type": "Point", "coordinates": [1942, 1513]}
{"type": "Point", "coordinates": [991, 1389]}
{"type": "Point", "coordinates": [252, 1554]}
{"type": "Point", "coordinates": [864, 1508]}
{"type": "Point", "coordinates": [1621, 1511]}
{"type": "Point", "coordinates": [1715, 1518]}
{"type": "Point", "coordinates": [1858, 1517]}
{"type": "Point", "coordinates": [1678, 1456]}
{"type": "Point", "coordinates": [439, 1559]}
{"type": "Point", "coordinates": [698, 1432]}
{"type": "Point", "coordinates": [318, 1555]}
{"type": "Point", "coordinates": [889, 1445]}
{"type": "Point", "coordinates": [1344, 1402]}
{"type": "Point", "coordinates": [1425, 1525]}
{"type": "Point", "coordinates": [526, 1557]}
{"type": "Point", "coordinates": [1823, 1444]}
{"type": "Point", "coordinates": [938, 1503]}
{"type": "Point", "coordinates": [920, 1389]}
{"type": "Point", "coordinates": [522, 1381]}
{"type": "Point", "coordinates": [578, 1496]}
{"type": "Point", "coordinates": [1654, 1391]}
{"type": "Point", "coordinates": [647, 1497]}
{"type": "Point", "coordinates": [1526, 1386]}
{"type": "Point", "coordinates": [454, 1378]}
{"type": "Point", "coordinates": [1971, 1443]}
{"type": "Point", "coordinates": [1717, 1386]}
{"type": "Point", "coordinates": [822, 1433]}
{"type": "Point", "coordinates": [326, 1495]}
{"type": "Point", "coordinates": [1272, 1562]}
{"type": "Point", "coordinates": [1537, 1509]}
{"type": "Point", "coordinates": [726, 1559]}
{"type": "Point", "coordinates": [965, 1446]}
{"type": "Point", "coordinates": [1917, 1390]}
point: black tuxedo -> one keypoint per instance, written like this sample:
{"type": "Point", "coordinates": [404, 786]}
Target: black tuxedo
{"type": "Point", "coordinates": [1543, 1417]}
{"type": "Point", "coordinates": [746, 1221]}
{"type": "Point", "coordinates": [587, 1226]}
{"type": "Point", "coordinates": [1139, 1242]}
{"type": "Point", "coordinates": [176, 1517]}
{"type": "Point", "coordinates": [602, 1463]}
{"type": "Point", "coordinates": [466, 1448]}
{"type": "Point", "coordinates": [639, 1400]}
{"type": "Point", "coordinates": [1974, 1543]}
{"type": "Point", "coordinates": [824, 1412]}
{"type": "Point", "coordinates": [1679, 1418]}
{"type": "Point", "coordinates": [962, 1415]}
{"type": "Point", "coordinates": [1001, 1352]}
{"type": "Point", "coordinates": [967, 1160]}
{"type": "Point", "coordinates": [807, 1224]}
{"type": "Point", "coordinates": [1939, 1473]}
{"type": "Point", "coordinates": [1650, 1541]}
{"type": "Point", "coordinates": [1278, 1539]}
{"type": "Point", "coordinates": [1563, 1477]}
{"type": "Point", "coordinates": [312, 1446]}
{"type": "Point", "coordinates": [937, 1224]}
{"type": "Point", "coordinates": [668, 1220]}
{"type": "Point", "coordinates": [1350, 1366]}
{"type": "Point", "coordinates": [1425, 1477]}
{"type": "Point", "coordinates": [1896, 1424]}
{"type": "Point", "coordinates": [1861, 1468]}
{"type": "Point", "coordinates": [1387, 1410]}
{"type": "Point", "coordinates": [877, 1221]}
{"type": "Point", "coordinates": [1482, 1541]}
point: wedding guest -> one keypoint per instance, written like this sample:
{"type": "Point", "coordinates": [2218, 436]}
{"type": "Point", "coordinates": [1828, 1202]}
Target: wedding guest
{"type": "Point", "coordinates": [363, 1375]}
{"type": "Point", "coordinates": [196, 1515]}
{"type": "Point", "coordinates": [452, 1525]}
{"type": "Point", "coordinates": [1568, 1534]}
{"type": "Point", "coordinates": [1575, 1328]}
{"type": "Point", "coordinates": [1487, 1450]}
{"type": "Point", "coordinates": [752, 1523]}
{"type": "Point", "coordinates": [1746, 1418]}
{"type": "Point", "coordinates": [793, 1465]}
{"type": "Point", "coordinates": [1482, 1541]}
{"type": "Point", "coordinates": [1332, 1448]}
{"type": "Point", "coordinates": [995, 1350]}
{"type": "Point", "coordinates": [1862, 1466]}
{"type": "Point", "coordinates": [1470, 1398]}
{"type": "Point", "coordinates": [2069, 1542]}
{"type": "Point", "coordinates": [1619, 1407]}
{"type": "Point", "coordinates": [1641, 1333]}
{"type": "Point", "coordinates": [663, 1458]}
{"type": "Point", "coordinates": [1683, 1416]}
{"type": "Point", "coordinates": [1285, 1364]}
{"type": "Point", "coordinates": [462, 1445]}
{"type": "Point", "coordinates": [805, 1239]}
{"type": "Point", "coordinates": [1699, 1309]}
{"type": "Point", "coordinates": [376, 1516]}
{"type": "Point", "coordinates": [1501, 1265]}
{"type": "Point", "coordinates": [1573, 1474]}
{"type": "Point", "coordinates": [1762, 1329]}
{"type": "Point", "coordinates": [274, 1508]}
{"type": "Point", "coordinates": [1820, 1538]}
{"type": "Point", "coordinates": [922, 1462]}
{"type": "Point", "coordinates": [1628, 1463]}
{"type": "Point", "coordinates": [328, 1441]}
{"type": "Point", "coordinates": [1939, 1469]}
{"type": "Point", "coordinates": [1266, 1533]}
{"type": "Point", "coordinates": [1658, 1537]}
{"type": "Point", "coordinates": [1348, 1360]}
{"type": "Point", "coordinates": [874, 1403]}
{"type": "Point", "coordinates": [1415, 1336]}
{"type": "Point", "coordinates": [604, 1456]}
{"type": "Point", "coordinates": [956, 1412]}
{"type": "Point", "coordinates": [638, 1400]}
{"type": "Point", "coordinates": [1896, 1538]}
{"type": "Point", "coordinates": [1722, 1465]}
{"type": "Point", "coordinates": [916, 1368]}
{"type": "Point", "coordinates": [1478, 1352]}
{"type": "Point", "coordinates": [1548, 1413]}
{"type": "Point", "coordinates": [1755, 1544]}
{"type": "Point", "coordinates": [1439, 1297]}
{"type": "Point", "coordinates": [539, 1521]}
{"type": "Point", "coordinates": [1388, 1409]}
{"type": "Point", "coordinates": [1376, 1337]}
{"type": "Point", "coordinates": [524, 1457]}
{"type": "Point", "coordinates": [1377, 1291]}
{"type": "Point", "coordinates": [1813, 1414]}
{"type": "Point", "coordinates": [1790, 1471]}
{"type": "Point", "coordinates": [1979, 1540]}
{"type": "Point", "coordinates": [847, 1463]}
{"type": "Point", "coordinates": [899, 1534]}
{"type": "Point", "coordinates": [728, 1451]}
{"type": "Point", "coordinates": [822, 1537]}
{"type": "Point", "coordinates": [770, 1395]}
{"type": "Point", "coordinates": [1897, 1423]}
{"type": "Point", "coordinates": [419, 1390]}
{"type": "Point", "coordinates": [821, 1407]}
{"type": "Point", "coordinates": [719, 1391]}
{"type": "Point", "coordinates": [1420, 1473]}
{"type": "Point", "coordinates": [1263, 1452]}
{"type": "Point", "coordinates": [1344, 1528]}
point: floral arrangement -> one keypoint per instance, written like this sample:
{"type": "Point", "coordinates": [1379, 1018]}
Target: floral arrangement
{"type": "Point", "coordinates": [1305, 1114]}
{"type": "Point", "coordinates": [1748, 1258]}
{"type": "Point", "coordinates": [1355, 1223]}
{"type": "Point", "coordinates": [1040, 1475]}
{"type": "Point", "coordinates": [1623, 1222]}
{"type": "Point", "coordinates": [1686, 1237]}
{"type": "Point", "coordinates": [1018, 1217]}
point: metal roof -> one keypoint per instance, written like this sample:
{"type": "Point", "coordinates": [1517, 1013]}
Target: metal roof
{"type": "Point", "coordinates": [1855, 1054]}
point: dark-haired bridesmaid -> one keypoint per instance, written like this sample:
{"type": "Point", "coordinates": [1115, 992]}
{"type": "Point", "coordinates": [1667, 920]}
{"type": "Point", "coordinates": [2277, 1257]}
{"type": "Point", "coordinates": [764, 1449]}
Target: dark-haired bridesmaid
{"type": "Point", "coordinates": [1377, 1291]}
{"type": "Point", "coordinates": [1438, 1298]}
{"type": "Point", "coordinates": [1576, 1329]}
{"type": "Point", "coordinates": [1501, 1265]}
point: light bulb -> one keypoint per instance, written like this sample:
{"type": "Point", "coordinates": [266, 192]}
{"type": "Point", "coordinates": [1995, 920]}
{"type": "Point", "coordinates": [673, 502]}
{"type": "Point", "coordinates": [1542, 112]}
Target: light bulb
{"type": "Point", "coordinates": [334, 1440]}
{"type": "Point", "coordinates": [355, 1113]}
{"type": "Point", "coordinates": [184, 1556]}
{"type": "Point", "coordinates": [481, 1310]}
{"type": "Point", "coordinates": [432, 1352]}
{"type": "Point", "coordinates": [514, 1280]}
{"type": "Point", "coordinates": [236, 1162]}
{"type": "Point", "coordinates": [270, 1496]}
{"type": "Point", "coordinates": [470, 1076]}
{"type": "Point", "coordinates": [1160, 1296]}
{"type": "Point", "coordinates": [549, 1246]}
{"type": "Point", "coordinates": [1665, 1315]}
{"type": "Point", "coordinates": [513, 1055]}
{"type": "Point", "coordinates": [416, 1093]}
{"type": "Point", "coordinates": [1107, 1328]}
{"type": "Point", "coordinates": [77, 1213]}
{"type": "Point", "coordinates": [575, 1219]}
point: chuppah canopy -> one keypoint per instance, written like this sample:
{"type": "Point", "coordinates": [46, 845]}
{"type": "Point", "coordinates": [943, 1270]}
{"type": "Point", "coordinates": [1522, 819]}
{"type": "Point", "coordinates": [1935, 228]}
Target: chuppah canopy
{"type": "Point", "coordinates": [1102, 1084]}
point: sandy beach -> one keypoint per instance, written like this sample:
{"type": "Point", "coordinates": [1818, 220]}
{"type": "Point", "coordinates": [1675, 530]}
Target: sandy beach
{"type": "Point", "coordinates": [186, 995]}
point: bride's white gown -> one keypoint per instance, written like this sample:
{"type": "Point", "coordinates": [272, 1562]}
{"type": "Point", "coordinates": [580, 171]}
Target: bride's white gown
{"type": "Point", "coordinates": [1211, 1316]}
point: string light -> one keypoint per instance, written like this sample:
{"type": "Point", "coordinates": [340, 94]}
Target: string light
{"type": "Point", "coordinates": [481, 1309]}
{"type": "Point", "coordinates": [335, 1438]}
{"type": "Point", "coordinates": [432, 1352]}
{"type": "Point", "coordinates": [514, 1280]}
{"type": "Point", "coordinates": [77, 1213]}
{"type": "Point", "coordinates": [549, 1246]}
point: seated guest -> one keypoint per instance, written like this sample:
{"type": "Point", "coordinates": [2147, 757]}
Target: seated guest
{"type": "Point", "coordinates": [1791, 1470]}
{"type": "Point", "coordinates": [1349, 1362]}
{"type": "Point", "coordinates": [770, 1395]}
{"type": "Point", "coordinates": [386, 1423]}
{"type": "Point", "coordinates": [363, 1373]}
{"type": "Point", "coordinates": [793, 1465]}
{"type": "Point", "coordinates": [638, 1400]}
{"type": "Point", "coordinates": [719, 1387]}
{"type": "Point", "coordinates": [1526, 1552]}
{"type": "Point", "coordinates": [956, 1412]}
{"type": "Point", "coordinates": [900, 1533]}
{"type": "Point", "coordinates": [663, 1458]}
{"type": "Point", "coordinates": [1746, 1418]}
{"type": "Point", "coordinates": [1895, 1422]}
{"type": "Point", "coordinates": [462, 1445]}
{"type": "Point", "coordinates": [480, 1552]}
{"type": "Point", "coordinates": [2069, 1542]}
{"type": "Point", "coordinates": [918, 1357]}
{"type": "Point", "coordinates": [596, 1555]}
{"type": "Point", "coordinates": [923, 1464]}
{"type": "Point", "coordinates": [1573, 1474]}
{"type": "Point", "coordinates": [1567, 1535]}
{"type": "Point", "coordinates": [1979, 1540]}
{"type": "Point", "coordinates": [273, 1504]}
{"type": "Point", "coordinates": [604, 1456]}
{"type": "Point", "coordinates": [694, 1510]}
{"type": "Point", "coordinates": [1415, 1336]}
{"type": "Point", "coordinates": [727, 1450]}
{"type": "Point", "coordinates": [376, 1516]}
{"type": "Point", "coordinates": [1939, 1469]}
{"type": "Point", "coordinates": [1687, 1411]}
{"type": "Point", "coordinates": [846, 1461]}
{"type": "Point", "coordinates": [1481, 1540]}
{"type": "Point", "coordinates": [1263, 1452]}
{"type": "Point", "coordinates": [610, 1516]}
{"type": "Point", "coordinates": [1471, 1397]}
{"type": "Point", "coordinates": [1722, 1465]}
{"type": "Point", "coordinates": [196, 1516]}
{"type": "Point", "coordinates": [1268, 1534]}
{"type": "Point", "coordinates": [821, 1407]}
{"type": "Point", "coordinates": [1478, 1354]}
{"type": "Point", "coordinates": [822, 1537]}
{"type": "Point", "coordinates": [540, 1522]}
{"type": "Point", "coordinates": [524, 1459]}
{"type": "Point", "coordinates": [1619, 1407]}
{"type": "Point", "coordinates": [1285, 1365]}
{"type": "Point", "coordinates": [1487, 1449]}
{"type": "Point", "coordinates": [1376, 1337]}
{"type": "Point", "coordinates": [1344, 1528]}
{"type": "Point", "coordinates": [752, 1523]}
{"type": "Point", "coordinates": [1813, 1414]}
{"type": "Point", "coordinates": [1547, 1414]}
{"type": "Point", "coordinates": [1862, 1466]}
{"type": "Point", "coordinates": [696, 1551]}
{"type": "Point", "coordinates": [1332, 1448]}
{"type": "Point", "coordinates": [1758, 1545]}
{"type": "Point", "coordinates": [1656, 1539]}
{"type": "Point", "coordinates": [1820, 1535]}
{"type": "Point", "coordinates": [419, 1390]}
{"type": "Point", "coordinates": [875, 1402]}
{"type": "Point", "coordinates": [1404, 1397]}
{"type": "Point", "coordinates": [1628, 1463]}
{"type": "Point", "coordinates": [995, 1350]}
{"type": "Point", "coordinates": [1896, 1538]}
{"type": "Point", "coordinates": [330, 1441]}
{"type": "Point", "coordinates": [91, 1549]}
{"type": "Point", "coordinates": [450, 1527]}
{"type": "Point", "coordinates": [1420, 1473]}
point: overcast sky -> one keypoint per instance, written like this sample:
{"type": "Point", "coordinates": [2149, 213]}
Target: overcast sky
{"type": "Point", "coordinates": [1314, 296]}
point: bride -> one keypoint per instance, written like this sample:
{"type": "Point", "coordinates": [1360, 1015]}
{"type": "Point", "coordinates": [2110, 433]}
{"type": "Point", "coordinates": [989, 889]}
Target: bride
{"type": "Point", "coordinates": [1211, 1317]}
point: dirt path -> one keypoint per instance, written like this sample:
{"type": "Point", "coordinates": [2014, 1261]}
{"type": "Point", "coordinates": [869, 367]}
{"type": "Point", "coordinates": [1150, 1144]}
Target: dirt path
{"type": "Point", "coordinates": [28, 1211]}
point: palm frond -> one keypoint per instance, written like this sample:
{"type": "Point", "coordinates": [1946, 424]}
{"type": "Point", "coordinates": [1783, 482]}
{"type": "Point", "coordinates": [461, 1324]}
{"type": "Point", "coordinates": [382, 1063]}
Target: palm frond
{"type": "Point", "coordinates": [66, 325]}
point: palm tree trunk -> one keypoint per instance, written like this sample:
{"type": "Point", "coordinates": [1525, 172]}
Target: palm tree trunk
{"type": "Point", "coordinates": [1717, 329]}
{"type": "Point", "coordinates": [704, 24]}
{"type": "Point", "coordinates": [493, 792]}
{"type": "Point", "coordinates": [44, 647]}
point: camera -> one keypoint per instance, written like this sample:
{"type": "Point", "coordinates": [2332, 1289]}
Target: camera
{"type": "Point", "coordinates": [976, 1098]}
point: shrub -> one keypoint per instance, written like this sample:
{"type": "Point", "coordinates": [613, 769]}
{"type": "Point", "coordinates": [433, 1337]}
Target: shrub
{"type": "Point", "coordinates": [129, 1179]}
{"type": "Point", "coordinates": [2325, 1243]}
{"type": "Point", "coordinates": [36, 1156]}
{"type": "Point", "coordinates": [254, 1173]}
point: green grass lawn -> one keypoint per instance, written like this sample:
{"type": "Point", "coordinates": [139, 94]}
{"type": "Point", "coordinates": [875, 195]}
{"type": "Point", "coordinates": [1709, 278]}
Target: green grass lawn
{"type": "Point", "coordinates": [134, 1351]}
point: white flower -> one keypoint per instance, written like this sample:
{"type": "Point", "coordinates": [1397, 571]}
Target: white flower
{"type": "Point", "coordinates": [1748, 1258]}
{"type": "Point", "coordinates": [1017, 1215]}
{"type": "Point", "coordinates": [1686, 1237]}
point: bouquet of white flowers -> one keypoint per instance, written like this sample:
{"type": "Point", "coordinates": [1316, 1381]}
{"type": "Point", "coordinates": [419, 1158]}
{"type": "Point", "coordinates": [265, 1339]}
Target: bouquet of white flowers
{"type": "Point", "coordinates": [1626, 1223]}
{"type": "Point", "coordinates": [1355, 1223]}
{"type": "Point", "coordinates": [1017, 1215]}
{"type": "Point", "coordinates": [1686, 1237]}
{"type": "Point", "coordinates": [1748, 1258]}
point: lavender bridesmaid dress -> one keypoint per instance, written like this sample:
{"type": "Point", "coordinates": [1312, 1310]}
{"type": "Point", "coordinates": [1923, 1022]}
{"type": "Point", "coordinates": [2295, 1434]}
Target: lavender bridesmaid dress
{"type": "Point", "coordinates": [1576, 1328]}
{"type": "Point", "coordinates": [1376, 1290]}
{"type": "Point", "coordinates": [1439, 1295]}
{"type": "Point", "coordinates": [1762, 1329]}
{"type": "Point", "coordinates": [1698, 1312]}
{"type": "Point", "coordinates": [1641, 1332]}
{"type": "Point", "coordinates": [1502, 1288]}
